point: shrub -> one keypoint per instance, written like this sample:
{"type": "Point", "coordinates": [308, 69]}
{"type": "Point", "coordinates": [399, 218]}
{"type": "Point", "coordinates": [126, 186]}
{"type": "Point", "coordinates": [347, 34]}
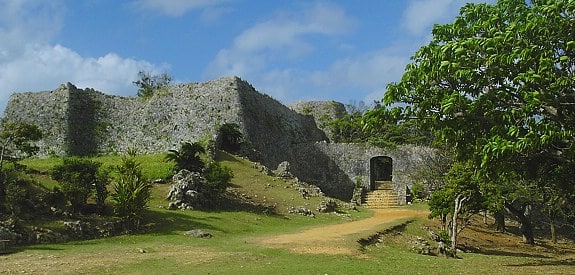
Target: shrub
{"type": "Point", "coordinates": [231, 137]}
{"type": "Point", "coordinates": [131, 192]}
{"type": "Point", "coordinates": [218, 177]}
{"type": "Point", "coordinates": [77, 176]}
{"type": "Point", "coordinates": [418, 191]}
{"type": "Point", "coordinates": [17, 198]}
{"type": "Point", "coordinates": [188, 157]}
{"type": "Point", "coordinates": [101, 186]}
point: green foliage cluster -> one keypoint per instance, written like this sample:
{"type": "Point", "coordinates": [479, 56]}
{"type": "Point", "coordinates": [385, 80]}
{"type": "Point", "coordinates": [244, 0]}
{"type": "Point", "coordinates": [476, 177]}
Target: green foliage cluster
{"type": "Point", "coordinates": [496, 85]}
{"type": "Point", "coordinates": [17, 136]}
{"type": "Point", "coordinates": [79, 178]}
{"type": "Point", "coordinates": [378, 126]}
{"type": "Point", "coordinates": [418, 191]}
{"type": "Point", "coordinates": [17, 198]}
{"type": "Point", "coordinates": [231, 137]}
{"type": "Point", "coordinates": [217, 176]}
{"type": "Point", "coordinates": [187, 157]}
{"type": "Point", "coordinates": [131, 192]}
{"type": "Point", "coordinates": [149, 84]}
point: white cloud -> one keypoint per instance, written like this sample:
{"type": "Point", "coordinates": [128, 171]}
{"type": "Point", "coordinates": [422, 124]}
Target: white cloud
{"type": "Point", "coordinates": [282, 38]}
{"type": "Point", "coordinates": [371, 70]}
{"type": "Point", "coordinates": [44, 67]}
{"type": "Point", "coordinates": [175, 7]}
{"type": "Point", "coordinates": [29, 62]}
{"type": "Point", "coordinates": [421, 15]}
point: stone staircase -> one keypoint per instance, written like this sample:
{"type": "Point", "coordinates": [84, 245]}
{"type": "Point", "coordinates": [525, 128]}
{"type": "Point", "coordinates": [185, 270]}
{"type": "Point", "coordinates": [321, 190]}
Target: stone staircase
{"type": "Point", "coordinates": [383, 196]}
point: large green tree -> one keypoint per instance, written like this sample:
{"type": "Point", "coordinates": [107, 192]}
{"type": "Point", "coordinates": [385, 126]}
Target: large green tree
{"type": "Point", "coordinates": [17, 137]}
{"type": "Point", "coordinates": [497, 85]}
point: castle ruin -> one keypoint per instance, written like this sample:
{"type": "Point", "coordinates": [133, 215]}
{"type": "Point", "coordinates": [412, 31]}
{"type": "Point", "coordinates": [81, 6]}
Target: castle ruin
{"type": "Point", "coordinates": [84, 122]}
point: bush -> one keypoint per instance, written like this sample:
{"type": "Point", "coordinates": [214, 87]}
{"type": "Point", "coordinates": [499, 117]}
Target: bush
{"type": "Point", "coordinates": [131, 192]}
{"type": "Point", "coordinates": [418, 191]}
{"type": "Point", "coordinates": [77, 176]}
{"type": "Point", "coordinates": [188, 157]}
{"type": "Point", "coordinates": [218, 177]}
{"type": "Point", "coordinates": [231, 137]}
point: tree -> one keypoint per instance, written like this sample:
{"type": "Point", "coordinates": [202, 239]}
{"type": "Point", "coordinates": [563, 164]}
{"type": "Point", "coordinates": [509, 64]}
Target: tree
{"type": "Point", "coordinates": [455, 202]}
{"type": "Point", "coordinates": [497, 85]}
{"type": "Point", "coordinates": [18, 136]}
{"type": "Point", "coordinates": [78, 178]}
{"type": "Point", "coordinates": [378, 126]}
{"type": "Point", "coordinates": [16, 140]}
{"type": "Point", "coordinates": [231, 137]}
{"type": "Point", "coordinates": [149, 84]}
{"type": "Point", "coordinates": [188, 157]}
{"type": "Point", "coordinates": [131, 192]}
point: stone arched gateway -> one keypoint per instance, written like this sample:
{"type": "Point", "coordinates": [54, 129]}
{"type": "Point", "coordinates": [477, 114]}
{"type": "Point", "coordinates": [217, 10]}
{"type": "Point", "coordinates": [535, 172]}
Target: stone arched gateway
{"type": "Point", "coordinates": [380, 169]}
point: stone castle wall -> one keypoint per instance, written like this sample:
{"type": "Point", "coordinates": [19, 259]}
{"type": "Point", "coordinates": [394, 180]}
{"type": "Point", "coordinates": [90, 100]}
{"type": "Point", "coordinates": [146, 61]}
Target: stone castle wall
{"type": "Point", "coordinates": [87, 122]}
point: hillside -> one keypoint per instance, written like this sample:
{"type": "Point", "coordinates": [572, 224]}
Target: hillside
{"type": "Point", "coordinates": [246, 240]}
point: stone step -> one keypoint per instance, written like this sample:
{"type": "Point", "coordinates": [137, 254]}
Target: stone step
{"type": "Point", "coordinates": [383, 185]}
{"type": "Point", "coordinates": [383, 197]}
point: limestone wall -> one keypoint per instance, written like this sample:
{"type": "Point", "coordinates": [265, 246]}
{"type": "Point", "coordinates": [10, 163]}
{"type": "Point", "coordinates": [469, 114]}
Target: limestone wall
{"type": "Point", "coordinates": [322, 111]}
{"type": "Point", "coordinates": [335, 167]}
{"type": "Point", "coordinates": [87, 122]}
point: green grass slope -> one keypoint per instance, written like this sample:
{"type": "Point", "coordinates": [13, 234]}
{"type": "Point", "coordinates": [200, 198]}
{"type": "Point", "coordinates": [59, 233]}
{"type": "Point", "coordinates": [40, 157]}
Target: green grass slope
{"type": "Point", "coordinates": [234, 249]}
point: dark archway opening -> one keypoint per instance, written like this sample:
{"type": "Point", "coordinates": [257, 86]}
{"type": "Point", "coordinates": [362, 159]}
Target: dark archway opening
{"type": "Point", "coordinates": [380, 168]}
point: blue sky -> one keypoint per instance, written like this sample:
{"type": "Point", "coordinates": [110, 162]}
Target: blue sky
{"type": "Point", "coordinates": [292, 50]}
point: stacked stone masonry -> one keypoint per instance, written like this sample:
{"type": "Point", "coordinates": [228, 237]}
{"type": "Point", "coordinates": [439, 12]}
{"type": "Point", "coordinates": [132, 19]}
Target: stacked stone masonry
{"type": "Point", "coordinates": [88, 122]}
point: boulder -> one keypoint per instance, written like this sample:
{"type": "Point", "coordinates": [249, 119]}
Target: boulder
{"type": "Point", "coordinates": [198, 233]}
{"type": "Point", "coordinates": [187, 191]}
{"type": "Point", "coordinates": [283, 171]}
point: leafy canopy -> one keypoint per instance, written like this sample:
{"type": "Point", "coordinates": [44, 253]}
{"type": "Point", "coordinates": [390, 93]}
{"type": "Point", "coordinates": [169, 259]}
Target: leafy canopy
{"type": "Point", "coordinates": [78, 178]}
{"type": "Point", "coordinates": [18, 136]}
{"type": "Point", "coordinates": [498, 81]}
{"type": "Point", "coordinates": [149, 84]}
{"type": "Point", "coordinates": [187, 157]}
{"type": "Point", "coordinates": [497, 85]}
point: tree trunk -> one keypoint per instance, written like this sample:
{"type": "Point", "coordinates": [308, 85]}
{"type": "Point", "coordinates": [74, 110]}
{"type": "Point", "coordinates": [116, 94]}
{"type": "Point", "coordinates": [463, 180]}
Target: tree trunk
{"type": "Point", "coordinates": [553, 233]}
{"type": "Point", "coordinates": [499, 220]}
{"type": "Point", "coordinates": [459, 200]}
{"type": "Point", "coordinates": [2, 156]}
{"type": "Point", "coordinates": [526, 227]}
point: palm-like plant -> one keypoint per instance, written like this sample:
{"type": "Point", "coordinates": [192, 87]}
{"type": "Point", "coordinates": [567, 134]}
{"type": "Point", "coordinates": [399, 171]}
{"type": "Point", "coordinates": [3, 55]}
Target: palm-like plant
{"type": "Point", "coordinates": [188, 157]}
{"type": "Point", "coordinates": [132, 192]}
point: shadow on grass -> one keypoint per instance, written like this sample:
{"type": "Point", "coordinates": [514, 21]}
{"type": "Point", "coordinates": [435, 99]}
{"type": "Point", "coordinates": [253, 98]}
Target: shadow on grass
{"type": "Point", "coordinates": [18, 249]}
{"type": "Point", "coordinates": [174, 221]}
{"type": "Point", "coordinates": [374, 239]}
{"type": "Point", "coordinates": [564, 262]}
{"type": "Point", "coordinates": [223, 156]}
{"type": "Point", "coordinates": [171, 221]}
{"type": "Point", "coordinates": [492, 252]}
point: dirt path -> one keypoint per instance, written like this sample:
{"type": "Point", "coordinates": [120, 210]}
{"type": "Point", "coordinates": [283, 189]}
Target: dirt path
{"type": "Point", "coordinates": [331, 239]}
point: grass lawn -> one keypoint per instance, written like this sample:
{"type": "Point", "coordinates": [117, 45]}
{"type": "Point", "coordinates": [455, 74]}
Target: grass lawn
{"type": "Point", "coordinates": [236, 249]}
